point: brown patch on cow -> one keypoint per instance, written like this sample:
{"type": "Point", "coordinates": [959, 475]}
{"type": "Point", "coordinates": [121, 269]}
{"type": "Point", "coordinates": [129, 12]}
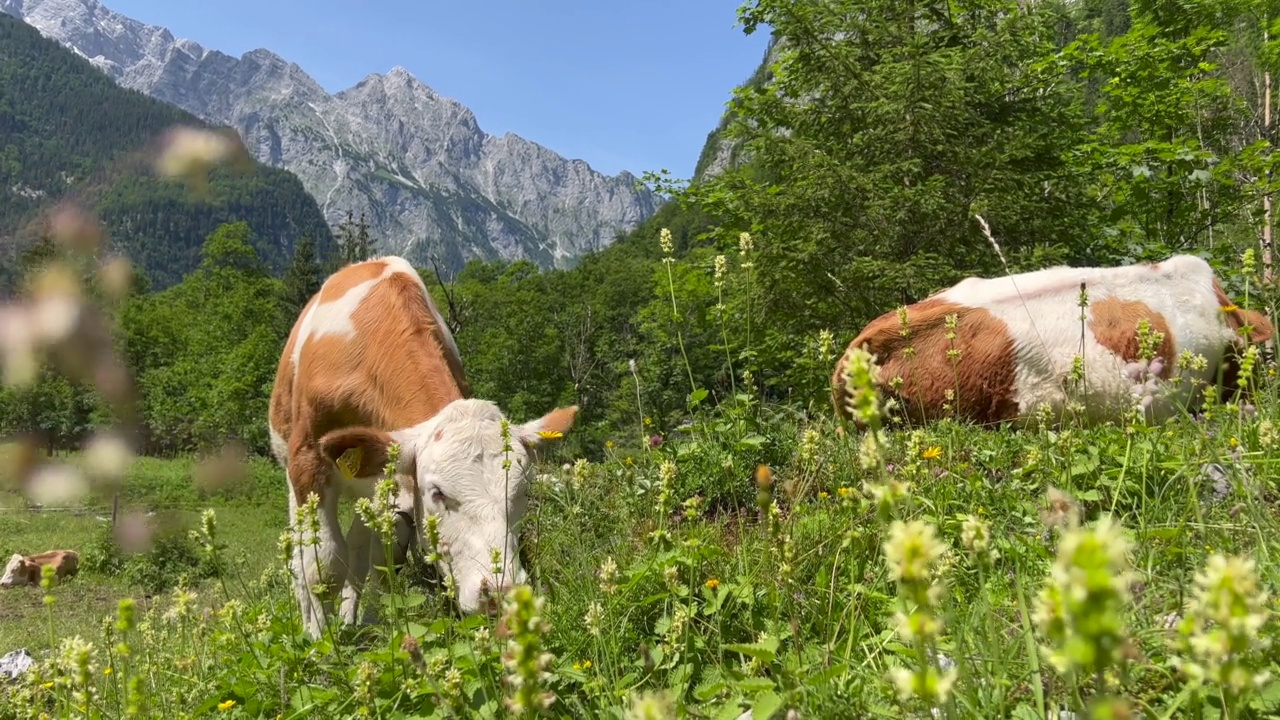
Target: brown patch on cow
{"type": "Point", "coordinates": [1260, 330]}
{"type": "Point", "coordinates": [982, 380]}
{"type": "Point", "coordinates": [1114, 324]}
{"type": "Point", "coordinates": [341, 282]}
{"type": "Point", "coordinates": [66, 563]}
{"type": "Point", "coordinates": [279, 412]}
{"type": "Point", "coordinates": [395, 372]}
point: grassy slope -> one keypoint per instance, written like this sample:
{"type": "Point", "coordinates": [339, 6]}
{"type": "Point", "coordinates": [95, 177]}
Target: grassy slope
{"type": "Point", "coordinates": [830, 602]}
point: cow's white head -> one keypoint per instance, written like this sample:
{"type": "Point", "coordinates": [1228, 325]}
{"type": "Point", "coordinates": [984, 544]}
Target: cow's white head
{"type": "Point", "coordinates": [457, 469]}
{"type": "Point", "coordinates": [14, 572]}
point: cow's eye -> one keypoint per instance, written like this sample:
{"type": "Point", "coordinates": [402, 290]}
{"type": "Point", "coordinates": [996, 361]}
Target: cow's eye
{"type": "Point", "coordinates": [437, 496]}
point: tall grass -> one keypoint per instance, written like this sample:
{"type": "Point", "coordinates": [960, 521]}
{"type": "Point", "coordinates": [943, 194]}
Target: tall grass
{"type": "Point", "coordinates": [1118, 571]}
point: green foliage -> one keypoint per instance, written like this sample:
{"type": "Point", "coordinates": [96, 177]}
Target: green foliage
{"type": "Point", "coordinates": [65, 127]}
{"type": "Point", "coordinates": [171, 559]}
{"type": "Point", "coordinates": [203, 354]}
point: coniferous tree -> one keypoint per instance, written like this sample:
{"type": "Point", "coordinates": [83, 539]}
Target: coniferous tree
{"type": "Point", "coordinates": [302, 279]}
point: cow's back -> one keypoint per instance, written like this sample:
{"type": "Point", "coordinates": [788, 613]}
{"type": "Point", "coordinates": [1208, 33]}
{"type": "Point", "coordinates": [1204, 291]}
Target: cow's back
{"type": "Point", "coordinates": [370, 348]}
{"type": "Point", "coordinates": [1020, 335]}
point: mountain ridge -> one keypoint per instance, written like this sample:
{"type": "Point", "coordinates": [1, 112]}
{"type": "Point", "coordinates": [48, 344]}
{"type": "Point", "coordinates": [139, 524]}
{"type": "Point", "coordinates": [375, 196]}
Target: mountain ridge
{"type": "Point", "coordinates": [68, 133]}
{"type": "Point", "coordinates": [430, 180]}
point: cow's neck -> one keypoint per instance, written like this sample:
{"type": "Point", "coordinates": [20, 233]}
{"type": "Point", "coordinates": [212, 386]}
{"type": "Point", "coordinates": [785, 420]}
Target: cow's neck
{"type": "Point", "coordinates": [420, 389]}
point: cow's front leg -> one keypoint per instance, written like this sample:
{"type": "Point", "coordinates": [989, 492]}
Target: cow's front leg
{"type": "Point", "coordinates": [359, 544]}
{"type": "Point", "coordinates": [319, 559]}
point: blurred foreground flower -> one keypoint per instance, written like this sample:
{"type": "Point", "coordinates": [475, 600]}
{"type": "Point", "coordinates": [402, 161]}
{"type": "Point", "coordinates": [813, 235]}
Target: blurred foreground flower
{"type": "Point", "coordinates": [1220, 637]}
{"type": "Point", "coordinates": [190, 153]}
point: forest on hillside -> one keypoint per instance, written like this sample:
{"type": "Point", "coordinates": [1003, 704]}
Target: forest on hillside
{"type": "Point", "coordinates": [66, 129]}
{"type": "Point", "coordinates": [871, 149]}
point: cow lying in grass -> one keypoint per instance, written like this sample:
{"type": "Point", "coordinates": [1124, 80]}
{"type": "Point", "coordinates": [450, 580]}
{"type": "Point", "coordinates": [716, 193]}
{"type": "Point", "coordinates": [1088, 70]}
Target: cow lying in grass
{"type": "Point", "coordinates": [28, 570]}
{"type": "Point", "coordinates": [370, 362]}
{"type": "Point", "coordinates": [997, 350]}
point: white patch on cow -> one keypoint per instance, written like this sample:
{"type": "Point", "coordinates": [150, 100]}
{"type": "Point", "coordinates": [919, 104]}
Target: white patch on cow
{"type": "Point", "coordinates": [10, 577]}
{"type": "Point", "coordinates": [279, 446]}
{"type": "Point", "coordinates": [1043, 316]}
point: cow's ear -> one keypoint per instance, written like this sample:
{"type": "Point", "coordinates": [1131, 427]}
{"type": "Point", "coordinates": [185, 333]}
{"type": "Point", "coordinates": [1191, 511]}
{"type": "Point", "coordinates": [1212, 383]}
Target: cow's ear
{"type": "Point", "coordinates": [551, 426]}
{"type": "Point", "coordinates": [359, 452]}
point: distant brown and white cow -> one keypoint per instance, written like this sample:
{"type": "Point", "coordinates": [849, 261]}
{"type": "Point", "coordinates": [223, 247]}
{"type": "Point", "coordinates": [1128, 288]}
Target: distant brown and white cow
{"type": "Point", "coordinates": [1018, 337]}
{"type": "Point", "coordinates": [27, 570]}
{"type": "Point", "coordinates": [370, 362]}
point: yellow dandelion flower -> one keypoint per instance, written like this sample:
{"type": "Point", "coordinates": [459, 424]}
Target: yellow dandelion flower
{"type": "Point", "coordinates": [845, 492]}
{"type": "Point", "coordinates": [106, 671]}
{"type": "Point", "coordinates": [1229, 308]}
{"type": "Point", "coordinates": [823, 495]}
{"type": "Point", "coordinates": [577, 666]}
{"type": "Point", "coordinates": [931, 453]}
{"type": "Point", "coordinates": [1234, 442]}
{"type": "Point", "coordinates": [586, 664]}
{"type": "Point", "coordinates": [47, 685]}
{"type": "Point", "coordinates": [226, 704]}
{"type": "Point", "coordinates": [713, 583]}
{"type": "Point", "coordinates": [550, 434]}
{"type": "Point", "coordinates": [608, 443]}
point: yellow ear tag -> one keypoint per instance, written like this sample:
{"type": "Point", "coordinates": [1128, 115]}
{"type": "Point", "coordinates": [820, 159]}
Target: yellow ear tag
{"type": "Point", "coordinates": [349, 463]}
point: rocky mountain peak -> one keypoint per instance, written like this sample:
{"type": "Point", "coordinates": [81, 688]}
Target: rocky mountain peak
{"type": "Point", "coordinates": [429, 180]}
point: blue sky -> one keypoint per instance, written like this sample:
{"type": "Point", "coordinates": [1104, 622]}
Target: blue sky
{"type": "Point", "coordinates": [622, 85]}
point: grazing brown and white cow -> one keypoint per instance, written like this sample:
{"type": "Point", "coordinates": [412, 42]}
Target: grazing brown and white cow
{"type": "Point", "coordinates": [1018, 338]}
{"type": "Point", "coordinates": [370, 362]}
{"type": "Point", "coordinates": [27, 570]}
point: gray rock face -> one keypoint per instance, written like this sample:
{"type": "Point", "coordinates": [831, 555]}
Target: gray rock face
{"type": "Point", "coordinates": [429, 181]}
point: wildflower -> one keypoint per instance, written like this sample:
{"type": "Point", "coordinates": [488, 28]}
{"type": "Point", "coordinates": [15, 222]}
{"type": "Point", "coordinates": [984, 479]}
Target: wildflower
{"type": "Point", "coordinates": [931, 684]}
{"type": "Point", "coordinates": [975, 535]}
{"type": "Point", "coordinates": [664, 240]}
{"type": "Point", "coordinates": [608, 576]}
{"type": "Point", "coordinates": [115, 278]}
{"type": "Point", "coordinates": [712, 584]}
{"type": "Point", "coordinates": [226, 704]}
{"type": "Point", "coordinates": [888, 496]}
{"type": "Point", "coordinates": [107, 457]}
{"type": "Point", "coordinates": [914, 554]}
{"type": "Point", "coordinates": [931, 453]}
{"type": "Point", "coordinates": [1080, 610]}
{"type": "Point", "coordinates": [1266, 433]}
{"type": "Point", "coordinates": [823, 494]}
{"type": "Point", "coordinates": [1221, 639]}
{"type": "Point", "coordinates": [608, 444]}
{"type": "Point", "coordinates": [651, 706]}
{"type": "Point", "coordinates": [54, 484]}
{"type": "Point", "coordinates": [190, 152]}
{"type": "Point", "coordinates": [524, 659]}
{"type": "Point", "coordinates": [1062, 510]}
{"type": "Point", "coordinates": [824, 345]}
{"type": "Point", "coordinates": [764, 486]}
{"type": "Point", "coordinates": [594, 619]}
{"type": "Point", "coordinates": [720, 265]}
{"type": "Point", "coordinates": [550, 434]}
{"type": "Point", "coordinates": [912, 551]}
